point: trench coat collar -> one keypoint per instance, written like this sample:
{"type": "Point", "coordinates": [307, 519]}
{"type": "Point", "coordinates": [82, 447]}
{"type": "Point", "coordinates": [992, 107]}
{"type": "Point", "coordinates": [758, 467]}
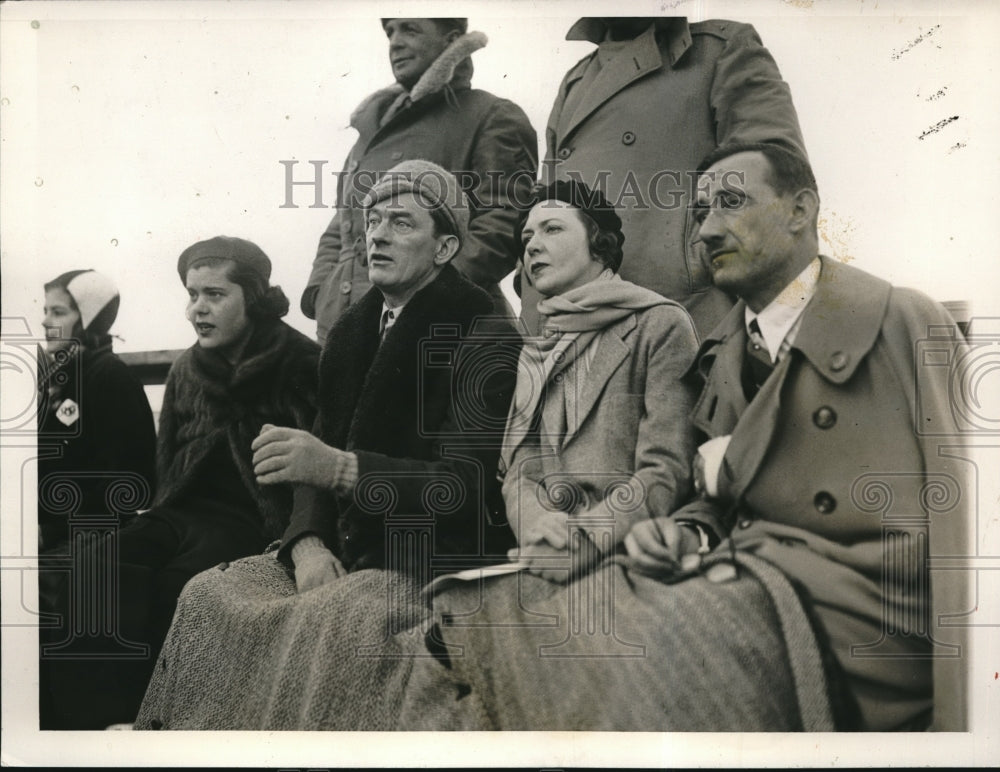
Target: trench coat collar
{"type": "Point", "coordinates": [843, 320]}
{"type": "Point", "coordinates": [643, 57]}
{"type": "Point", "coordinates": [839, 327]}
{"type": "Point", "coordinates": [674, 29]}
{"type": "Point", "coordinates": [611, 352]}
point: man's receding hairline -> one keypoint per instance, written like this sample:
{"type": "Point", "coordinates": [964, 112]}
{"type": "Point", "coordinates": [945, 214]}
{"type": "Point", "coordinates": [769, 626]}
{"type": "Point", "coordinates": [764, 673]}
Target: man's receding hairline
{"type": "Point", "coordinates": [770, 177]}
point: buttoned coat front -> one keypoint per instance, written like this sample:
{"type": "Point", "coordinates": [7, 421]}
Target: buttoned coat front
{"type": "Point", "coordinates": [667, 99]}
{"type": "Point", "coordinates": [627, 446]}
{"type": "Point", "coordinates": [834, 473]}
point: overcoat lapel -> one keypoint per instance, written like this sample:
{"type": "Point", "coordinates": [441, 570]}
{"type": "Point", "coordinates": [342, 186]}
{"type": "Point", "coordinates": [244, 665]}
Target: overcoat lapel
{"type": "Point", "coordinates": [589, 385]}
{"type": "Point", "coordinates": [617, 75]}
{"type": "Point", "coordinates": [723, 409]}
{"type": "Point", "coordinates": [754, 431]}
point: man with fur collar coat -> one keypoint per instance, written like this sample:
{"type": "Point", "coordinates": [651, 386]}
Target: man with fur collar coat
{"type": "Point", "coordinates": [430, 113]}
{"type": "Point", "coordinates": [415, 384]}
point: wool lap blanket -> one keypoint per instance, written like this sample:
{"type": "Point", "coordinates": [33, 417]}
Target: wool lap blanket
{"type": "Point", "coordinates": [615, 650]}
{"type": "Point", "coordinates": [245, 651]}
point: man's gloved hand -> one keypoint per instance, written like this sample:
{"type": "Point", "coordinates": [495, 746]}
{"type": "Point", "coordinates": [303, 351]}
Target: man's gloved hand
{"type": "Point", "coordinates": [285, 455]}
{"type": "Point", "coordinates": [315, 565]}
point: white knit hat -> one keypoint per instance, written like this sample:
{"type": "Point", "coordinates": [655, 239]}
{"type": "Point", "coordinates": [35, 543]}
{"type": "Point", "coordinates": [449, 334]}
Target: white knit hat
{"type": "Point", "coordinates": [96, 298]}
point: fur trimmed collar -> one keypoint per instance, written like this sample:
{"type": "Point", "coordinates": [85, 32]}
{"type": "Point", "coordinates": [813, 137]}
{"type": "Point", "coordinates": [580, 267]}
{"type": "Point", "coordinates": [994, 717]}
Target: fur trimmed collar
{"type": "Point", "coordinates": [367, 389]}
{"type": "Point", "coordinates": [452, 68]}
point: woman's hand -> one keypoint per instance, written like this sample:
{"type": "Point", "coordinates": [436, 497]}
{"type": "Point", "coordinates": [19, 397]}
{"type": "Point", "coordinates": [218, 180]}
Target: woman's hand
{"type": "Point", "coordinates": [660, 546]}
{"type": "Point", "coordinates": [285, 455]}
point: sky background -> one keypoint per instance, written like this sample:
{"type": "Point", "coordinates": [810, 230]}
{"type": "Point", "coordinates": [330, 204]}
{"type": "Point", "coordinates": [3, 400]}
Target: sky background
{"type": "Point", "coordinates": [132, 129]}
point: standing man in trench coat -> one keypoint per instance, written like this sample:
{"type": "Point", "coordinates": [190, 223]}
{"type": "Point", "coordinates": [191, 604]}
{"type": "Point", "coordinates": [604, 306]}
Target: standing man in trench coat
{"type": "Point", "coordinates": [636, 116]}
{"type": "Point", "coordinates": [430, 113]}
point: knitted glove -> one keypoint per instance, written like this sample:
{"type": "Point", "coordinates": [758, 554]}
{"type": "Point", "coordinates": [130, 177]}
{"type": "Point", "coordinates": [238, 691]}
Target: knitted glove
{"type": "Point", "coordinates": [285, 455]}
{"type": "Point", "coordinates": [315, 565]}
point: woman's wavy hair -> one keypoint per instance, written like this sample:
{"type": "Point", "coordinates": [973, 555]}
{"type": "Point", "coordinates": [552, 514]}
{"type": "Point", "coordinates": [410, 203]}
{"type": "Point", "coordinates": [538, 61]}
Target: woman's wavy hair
{"type": "Point", "coordinates": [264, 302]}
{"type": "Point", "coordinates": [604, 226]}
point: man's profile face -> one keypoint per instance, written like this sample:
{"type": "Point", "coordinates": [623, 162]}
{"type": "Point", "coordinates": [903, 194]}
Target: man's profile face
{"type": "Point", "coordinates": [403, 252]}
{"type": "Point", "coordinates": [743, 223]}
{"type": "Point", "coordinates": [414, 44]}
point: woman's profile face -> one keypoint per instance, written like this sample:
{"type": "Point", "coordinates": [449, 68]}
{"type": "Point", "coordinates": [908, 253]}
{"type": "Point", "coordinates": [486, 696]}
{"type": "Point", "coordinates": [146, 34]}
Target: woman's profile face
{"type": "Point", "coordinates": [217, 310]}
{"type": "Point", "coordinates": [61, 320]}
{"type": "Point", "coordinates": [557, 249]}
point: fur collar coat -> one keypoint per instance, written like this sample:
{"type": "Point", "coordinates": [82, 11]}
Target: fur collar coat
{"type": "Point", "coordinates": [208, 402]}
{"type": "Point", "coordinates": [424, 411]}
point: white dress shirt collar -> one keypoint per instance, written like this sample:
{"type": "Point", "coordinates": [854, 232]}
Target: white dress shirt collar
{"type": "Point", "coordinates": [390, 315]}
{"type": "Point", "coordinates": [779, 320]}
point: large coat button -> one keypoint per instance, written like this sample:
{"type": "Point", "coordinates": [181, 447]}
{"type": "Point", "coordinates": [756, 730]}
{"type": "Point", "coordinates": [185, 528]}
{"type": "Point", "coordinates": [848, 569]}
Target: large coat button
{"type": "Point", "coordinates": [838, 361]}
{"type": "Point", "coordinates": [746, 523]}
{"type": "Point", "coordinates": [825, 503]}
{"type": "Point", "coordinates": [352, 166]}
{"type": "Point", "coordinates": [156, 724]}
{"type": "Point", "coordinates": [628, 137]}
{"type": "Point", "coordinates": [345, 288]}
{"type": "Point", "coordinates": [825, 417]}
{"type": "Point", "coordinates": [565, 152]}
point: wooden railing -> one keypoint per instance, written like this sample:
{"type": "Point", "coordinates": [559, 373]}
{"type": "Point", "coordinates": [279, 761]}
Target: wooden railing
{"type": "Point", "coordinates": [151, 367]}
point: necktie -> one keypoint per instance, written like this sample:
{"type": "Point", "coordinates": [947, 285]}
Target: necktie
{"type": "Point", "coordinates": [757, 364]}
{"type": "Point", "coordinates": [385, 324]}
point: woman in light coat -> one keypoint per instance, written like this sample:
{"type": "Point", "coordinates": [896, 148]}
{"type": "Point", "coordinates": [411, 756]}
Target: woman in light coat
{"type": "Point", "coordinates": [598, 435]}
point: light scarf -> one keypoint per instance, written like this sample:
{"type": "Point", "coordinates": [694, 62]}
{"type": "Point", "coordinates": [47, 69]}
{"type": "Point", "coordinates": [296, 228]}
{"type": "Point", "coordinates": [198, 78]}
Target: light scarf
{"type": "Point", "coordinates": [571, 323]}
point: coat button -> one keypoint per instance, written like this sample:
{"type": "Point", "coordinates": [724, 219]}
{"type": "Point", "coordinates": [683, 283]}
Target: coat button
{"type": "Point", "coordinates": [348, 225]}
{"type": "Point", "coordinates": [838, 361]}
{"type": "Point", "coordinates": [824, 503]}
{"type": "Point", "coordinates": [156, 724]}
{"type": "Point", "coordinates": [746, 523]}
{"type": "Point", "coordinates": [565, 152]}
{"type": "Point", "coordinates": [397, 155]}
{"type": "Point", "coordinates": [628, 138]}
{"type": "Point", "coordinates": [825, 417]}
{"type": "Point", "coordinates": [352, 166]}
{"type": "Point", "coordinates": [345, 288]}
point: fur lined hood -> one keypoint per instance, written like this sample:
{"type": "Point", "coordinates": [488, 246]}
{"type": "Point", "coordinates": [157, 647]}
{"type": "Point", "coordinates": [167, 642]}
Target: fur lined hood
{"type": "Point", "coordinates": [451, 70]}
